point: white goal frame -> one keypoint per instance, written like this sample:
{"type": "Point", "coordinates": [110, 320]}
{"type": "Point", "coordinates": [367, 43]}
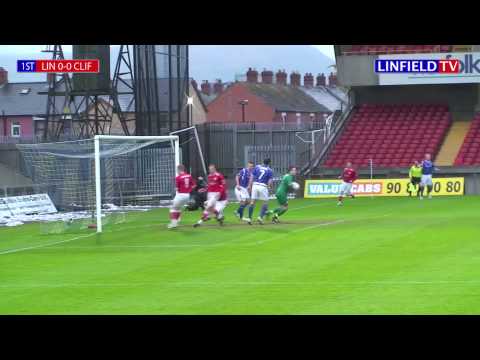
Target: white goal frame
{"type": "Point", "coordinates": [199, 146]}
{"type": "Point", "coordinates": [98, 184]}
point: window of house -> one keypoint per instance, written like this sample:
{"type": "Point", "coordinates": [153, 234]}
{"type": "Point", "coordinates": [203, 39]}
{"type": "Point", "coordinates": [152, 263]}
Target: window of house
{"type": "Point", "coordinates": [16, 130]}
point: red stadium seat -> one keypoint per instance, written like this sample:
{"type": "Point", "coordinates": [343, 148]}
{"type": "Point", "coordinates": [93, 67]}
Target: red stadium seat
{"type": "Point", "coordinates": [469, 154]}
{"type": "Point", "coordinates": [393, 135]}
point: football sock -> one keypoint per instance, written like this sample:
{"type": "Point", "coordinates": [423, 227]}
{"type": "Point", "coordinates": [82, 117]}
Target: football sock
{"type": "Point", "coordinates": [429, 189]}
{"type": "Point", "coordinates": [263, 210]}
{"type": "Point", "coordinates": [240, 210]}
{"type": "Point", "coordinates": [250, 211]}
{"type": "Point", "coordinates": [205, 215]}
{"type": "Point", "coordinates": [280, 211]}
{"type": "Point", "coordinates": [174, 215]}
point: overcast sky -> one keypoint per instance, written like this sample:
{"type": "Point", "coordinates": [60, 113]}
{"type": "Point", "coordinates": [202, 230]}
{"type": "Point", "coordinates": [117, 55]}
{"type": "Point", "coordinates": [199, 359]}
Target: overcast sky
{"type": "Point", "coordinates": [28, 49]}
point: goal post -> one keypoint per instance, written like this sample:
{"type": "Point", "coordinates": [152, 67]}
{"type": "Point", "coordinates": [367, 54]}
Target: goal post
{"type": "Point", "coordinates": [104, 176]}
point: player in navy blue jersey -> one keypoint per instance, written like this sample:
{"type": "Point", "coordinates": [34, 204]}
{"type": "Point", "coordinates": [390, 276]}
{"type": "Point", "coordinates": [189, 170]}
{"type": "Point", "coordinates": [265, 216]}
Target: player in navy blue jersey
{"type": "Point", "coordinates": [428, 169]}
{"type": "Point", "coordinates": [241, 188]}
{"type": "Point", "coordinates": [260, 183]}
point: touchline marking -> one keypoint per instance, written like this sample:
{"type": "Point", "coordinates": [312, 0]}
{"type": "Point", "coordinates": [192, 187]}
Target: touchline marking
{"type": "Point", "coordinates": [139, 246]}
{"type": "Point", "coordinates": [245, 283]}
{"type": "Point", "coordinates": [44, 245]}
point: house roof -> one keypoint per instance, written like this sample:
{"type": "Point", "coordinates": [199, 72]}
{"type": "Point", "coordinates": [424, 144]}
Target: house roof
{"type": "Point", "coordinates": [207, 99]}
{"type": "Point", "coordinates": [13, 102]}
{"type": "Point", "coordinates": [331, 98]}
{"type": "Point", "coordinates": [286, 98]}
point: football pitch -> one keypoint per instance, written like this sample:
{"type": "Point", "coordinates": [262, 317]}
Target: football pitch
{"type": "Point", "coordinates": [371, 256]}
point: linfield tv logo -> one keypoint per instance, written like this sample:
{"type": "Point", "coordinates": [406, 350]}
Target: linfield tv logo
{"type": "Point", "coordinates": [468, 65]}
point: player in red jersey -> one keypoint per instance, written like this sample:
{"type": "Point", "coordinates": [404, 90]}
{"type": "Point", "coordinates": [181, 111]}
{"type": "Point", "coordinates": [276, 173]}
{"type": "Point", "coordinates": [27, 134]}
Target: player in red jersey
{"type": "Point", "coordinates": [348, 176]}
{"type": "Point", "coordinates": [216, 185]}
{"type": "Point", "coordinates": [184, 184]}
{"type": "Point", "coordinates": [221, 204]}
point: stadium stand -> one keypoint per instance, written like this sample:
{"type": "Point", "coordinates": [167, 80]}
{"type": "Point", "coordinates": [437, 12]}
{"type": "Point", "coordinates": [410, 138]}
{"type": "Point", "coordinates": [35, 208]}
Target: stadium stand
{"type": "Point", "coordinates": [396, 49]}
{"type": "Point", "coordinates": [469, 153]}
{"type": "Point", "coordinates": [390, 135]}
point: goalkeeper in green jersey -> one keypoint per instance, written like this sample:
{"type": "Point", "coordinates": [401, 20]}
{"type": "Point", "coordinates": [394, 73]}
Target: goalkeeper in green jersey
{"type": "Point", "coordinates": [283, 189]}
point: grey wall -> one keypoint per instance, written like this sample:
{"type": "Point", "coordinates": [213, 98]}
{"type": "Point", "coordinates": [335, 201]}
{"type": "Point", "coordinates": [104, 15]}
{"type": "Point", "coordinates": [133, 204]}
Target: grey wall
{"type": "Point", "coordinates": [11, 168]}
{"type": "Point", "coordinates": [356, 70]}
{"type": "Point", "coordinates": [460, 97]}
{"type": "Point", "coordinates": [10, 156]}
{"type": "Point", "coordinates": [11, 178]}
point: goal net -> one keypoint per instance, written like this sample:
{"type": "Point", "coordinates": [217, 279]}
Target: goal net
{"type": "Point", "coordinates": [105, 175]}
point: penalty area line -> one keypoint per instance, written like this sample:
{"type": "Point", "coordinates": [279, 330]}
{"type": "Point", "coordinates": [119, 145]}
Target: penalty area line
{"type": "Point", "coordinates": [10, 251]}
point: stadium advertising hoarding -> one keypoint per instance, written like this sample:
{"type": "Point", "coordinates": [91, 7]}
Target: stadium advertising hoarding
{"type": "Point", "coordinates": [436, 68]}
{"type": "Point", "coordinates": [28, 204]}
{"type": "Point", "coordinates": [381, 187]}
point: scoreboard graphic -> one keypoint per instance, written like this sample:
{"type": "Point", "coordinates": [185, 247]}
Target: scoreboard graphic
{"type": "Point", "coordinates": [59, 66]}
{"type": "Point", "coordinates": [381, 187]}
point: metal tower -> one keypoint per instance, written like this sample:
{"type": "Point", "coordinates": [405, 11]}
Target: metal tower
{"type": "Point", "coordinates": [74, 113]}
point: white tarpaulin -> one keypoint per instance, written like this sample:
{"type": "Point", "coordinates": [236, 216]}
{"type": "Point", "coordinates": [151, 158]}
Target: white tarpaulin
{"type": "Point", "coordinates": [469, 70]}
{"type": "Point", "coordinates": [4, 210]}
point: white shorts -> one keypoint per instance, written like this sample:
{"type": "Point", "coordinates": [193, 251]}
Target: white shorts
{"type": "Point", "coordinates": [259, 192]}
{"type": "Point", "coordinates": [242, 194]}
{"type": "Point", "coordinates": [426, 180]}
{"type": "Point", "coordinates": [212, 198]}
{"type": "Point", "coordinates": [179, 201]}
{"type": "Point", "coordinates": [346, 188]}
{"type": "Point", "coordinates": [220, 205]}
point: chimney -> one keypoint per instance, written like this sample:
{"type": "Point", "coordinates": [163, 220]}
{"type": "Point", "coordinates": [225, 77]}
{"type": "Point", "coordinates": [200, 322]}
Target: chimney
{"type": "Point", "coordinates": [332, 80]}
{"type": "Point", "coordinates": [3, 76]}
{"type": "Point", "coordinates": [194, 84]}
{"type": "Point", "coordinates": [252, 75]}
{"type": "Point", "coordinates": [218, 87]}
{"type": "Point", "coordinates": [267, 76]}
{"type": "Point", "coordinates": [295, 79]}
{"type": "Point", "coordinates": [281, 77]}
{"type": "Point", "coordinates": [308, 80]}
{"type": "Point", "coordinates": [206, 88]}
{"type": "Point", "coordinates": [321, 80]}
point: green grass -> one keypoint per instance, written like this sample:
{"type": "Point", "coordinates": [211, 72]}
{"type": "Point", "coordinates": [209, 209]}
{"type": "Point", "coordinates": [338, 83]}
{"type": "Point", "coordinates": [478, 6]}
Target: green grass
{"type": "Point", "coordinates": [372, 256]}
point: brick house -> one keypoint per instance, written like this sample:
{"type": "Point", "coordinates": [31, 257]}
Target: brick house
{"type": "Point", "coordinates": [268, 100]}
{"type": "Point", "coordinates": [20, 107]}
